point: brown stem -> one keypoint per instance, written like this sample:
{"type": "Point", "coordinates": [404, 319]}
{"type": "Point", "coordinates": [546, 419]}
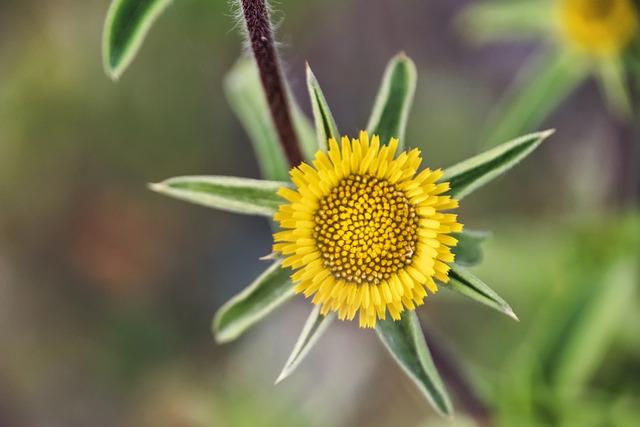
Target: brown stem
{"type": "Point", "coordinates": [258, 24]}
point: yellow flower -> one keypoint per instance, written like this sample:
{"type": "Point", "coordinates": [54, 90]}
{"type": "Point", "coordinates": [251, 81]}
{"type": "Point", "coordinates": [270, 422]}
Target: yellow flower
{"type": "Point", "coordinates": [598, 27]}
{"type": "Point", "coordinates": [364, 233]}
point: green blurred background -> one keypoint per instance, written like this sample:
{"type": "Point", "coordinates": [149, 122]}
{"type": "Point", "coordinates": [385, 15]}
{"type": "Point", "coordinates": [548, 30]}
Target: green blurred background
{"type": "Point", "coordinates": [107, 290]}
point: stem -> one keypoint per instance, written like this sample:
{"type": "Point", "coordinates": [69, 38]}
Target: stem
{"type": "Point", "coordinates": [259, 29]}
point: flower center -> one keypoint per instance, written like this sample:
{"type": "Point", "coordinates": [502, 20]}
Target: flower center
{"type": "Point", "coordinates": [599, 27]}
{"type": "Point", "coordinates": [365, 229]}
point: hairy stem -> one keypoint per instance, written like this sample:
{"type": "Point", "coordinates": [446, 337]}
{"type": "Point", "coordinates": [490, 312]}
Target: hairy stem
{"type": "Point", "coordinates": [260, 32]}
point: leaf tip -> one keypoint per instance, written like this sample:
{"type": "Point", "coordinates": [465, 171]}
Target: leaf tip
{"type": "Point", "coordinates": [311, 77]}
{"type": "Point", "coordinates": [155, 187]}
{"type": "Point", "coordinates": [284, 374]}
{"type": "Point", "coordinates": [269, 257]}
{"type": "Point", "coordinates": [219, 334]}
{"type": "Point", "coordinates": [546, 134]}
{"type": "Point", "coordinates": [509, 312]}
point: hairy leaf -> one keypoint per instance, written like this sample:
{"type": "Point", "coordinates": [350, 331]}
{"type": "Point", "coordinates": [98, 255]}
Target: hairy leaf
{"type": "Point", "coordinates": [394, 100]}
{"type": "Point", "coordinates": [406, 343]}
{"type": "Point", "coordinates": [465, 282]}
{"type": "Point", "coordinates": [238, 195]}
{"type": "Point", "coordinates": [313, 329]}
{"type": "Point", "coordinates": [473, 173]}
{"type": "Point", "coordinates": [126, 26]}
{"type": "Point", "coordinates": [325, 124]}
{"type": "Point", "coordinates": [268, 292]}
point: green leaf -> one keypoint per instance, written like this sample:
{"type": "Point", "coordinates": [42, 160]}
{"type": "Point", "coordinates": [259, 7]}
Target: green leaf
{"type": "Point", "coordinates": [490, 21]}
{"type": "Point", "coordinates": [586, 322]}
{"type": "Point", "coordinates": [268, 292]}
{"type": "Point", "coordinates": [544, 82]}
{"type": "Point", "coordinates": [465, 282]}
{"type": "Point", "coordinates": [325, 124]}
{"type": "Point", "coordinates": [126, 26]}
{"type": "Point", "coordinates": [394, 100]}
{"type": "Point", "coordinates": [238, 195]}
{"type": "Point", "coordinates": [245, 95]}
{"type": "Point", "coordinates": [473, 173]}
{"type": "Point", "coordinates": [613, 81]}
{"type": "Point", "coordinates": [468, 251]}
{"type": "Point", "coordinates": [313, 329]}
{"type": "Point", "coordinates": [304, 129]}
{"type": "Point", "coordinates": [406, 343]}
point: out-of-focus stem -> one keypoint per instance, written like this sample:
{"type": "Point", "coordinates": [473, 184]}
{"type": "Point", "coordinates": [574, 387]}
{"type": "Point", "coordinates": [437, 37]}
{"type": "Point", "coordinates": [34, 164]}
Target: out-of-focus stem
{"type": "Point", "coordinates": [454, 377]}
{"type": "Point", "coordinates": [260, 33]}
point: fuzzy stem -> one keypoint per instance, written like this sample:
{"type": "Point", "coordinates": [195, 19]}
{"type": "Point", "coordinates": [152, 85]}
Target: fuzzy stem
{"type": "Point", "coordinates": [260, 32]}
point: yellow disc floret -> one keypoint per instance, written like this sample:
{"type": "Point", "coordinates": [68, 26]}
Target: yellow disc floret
{"type": "Point", "coordinates": [598, 27]}
{"type": "Point", "coordinates": [364, 231]}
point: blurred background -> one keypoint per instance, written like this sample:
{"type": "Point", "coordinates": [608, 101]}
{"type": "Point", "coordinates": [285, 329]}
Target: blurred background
{"type": "Point", "coordinates": [107, 290]}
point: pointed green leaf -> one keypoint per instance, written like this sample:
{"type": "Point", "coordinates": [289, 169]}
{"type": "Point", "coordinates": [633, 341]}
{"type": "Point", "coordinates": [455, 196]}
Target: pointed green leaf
{"type": "Point", "coordinates": [325, 124]}
{"type": "Point", "coordinates": [468, 251]}
{"type": "Point", "coordinates": [126, 26]}
{"type": "Point", "coordinates": [394, 100]}
{"type": "Point", "coordinates": [473, 173]}
{"type": "Point", "coordinates": [465, 282]}
{"type": "Point", "coordinates": [304, 129]}
{"type": "Point", "coordinates": [268, 292]}
{"type": "Point", "coordinates": [313, 329]}
{"type": "Point", "coordinates": [406, 343]}
{"type": "Point", "coordinates": [506, 20]}
{"type": "Point", "coordinates": [238, 195]}
{"type": "Point", "coordinates": [544, 82]}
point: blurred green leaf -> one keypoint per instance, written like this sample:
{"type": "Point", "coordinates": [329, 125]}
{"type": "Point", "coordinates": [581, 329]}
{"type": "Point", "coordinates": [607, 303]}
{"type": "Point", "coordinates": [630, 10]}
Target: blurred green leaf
{"type": "Point", "coordinates": [468, 251]}
{"type": "Point", "coordinates": [313, 329]}
{"type": "Point", "coordinates": [268, 292]}
{"type": "Point", "coordinates": [246, 97]}
{"type": "Point", "coordinates": [238, 195]}
{"type": "Point", "coordinates": [616, 90]}
{"type": "Point", "coordinates": [488, 21]}
{"type": "Point", "coordinates": [393, 102]}
{"type": "Point", "coordinates": [471, 174]}
{"type": "Point", "coordinates": [586, 323]}
{"type": "Point", "coordinates": [325, 124]}
{"type": "Point", "coordinates": [465, 282]}
{"type": "Point", "coordinates": [406, 343]}
{"type": "Point", "coordinates": [541, 85]}
{"type": "Point", "coordinates": [126, 26]}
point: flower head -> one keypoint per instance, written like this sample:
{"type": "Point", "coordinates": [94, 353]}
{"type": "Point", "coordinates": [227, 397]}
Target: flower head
{"type": "Point", "coordinates": [598, 27]}
{"type": "Point", "coordinates": [364, 231]}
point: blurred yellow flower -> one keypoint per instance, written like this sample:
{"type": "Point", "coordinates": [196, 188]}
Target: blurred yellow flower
{"type": "Point", "coordinates": [598, 27]}
{"type": "Point", "coordinates": [364, 232]}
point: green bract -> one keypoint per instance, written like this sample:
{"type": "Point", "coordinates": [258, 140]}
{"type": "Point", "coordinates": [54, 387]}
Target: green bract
{"type": "Point", "coordinates": [404, 338]}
